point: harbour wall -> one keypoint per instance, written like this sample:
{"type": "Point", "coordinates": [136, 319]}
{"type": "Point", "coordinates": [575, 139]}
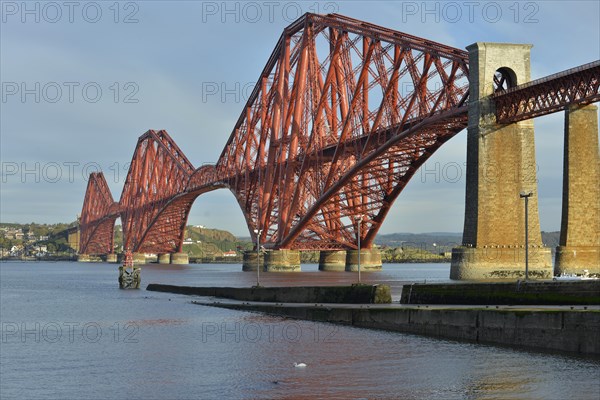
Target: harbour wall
{"type": "Point", "coordinates": [354, 294]}
{"type": "Point", "coordinates": [573, 331]}
{"type": "Point", "coordinates": [513, 293]}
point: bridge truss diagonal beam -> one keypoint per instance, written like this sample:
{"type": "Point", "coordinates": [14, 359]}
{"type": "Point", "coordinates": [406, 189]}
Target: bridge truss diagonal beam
{"type": "Point", "coordinates": [159, 171]}
{"type": "Point", "coordinates": [580, 85]}
{"type": "Point", "coordinates": [98, 216]}
{"type": "Point", "coordinates": [334, 92]}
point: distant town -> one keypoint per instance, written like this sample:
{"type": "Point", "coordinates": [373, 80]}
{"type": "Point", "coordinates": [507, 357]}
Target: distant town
{"type": "Point", "coordinates": [207, 245]}
{"type": "Point", "coordinates": [36, 240]}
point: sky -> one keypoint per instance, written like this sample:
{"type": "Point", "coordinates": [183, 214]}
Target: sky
{"type": "Point", "coordinates": [81, 81]}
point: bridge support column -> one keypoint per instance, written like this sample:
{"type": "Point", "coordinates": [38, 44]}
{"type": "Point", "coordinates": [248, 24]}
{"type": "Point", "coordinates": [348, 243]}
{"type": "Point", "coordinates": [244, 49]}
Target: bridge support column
{"type": "Point", "coordinates": [332, 260]}
{"type": "Point", "coordinates": [111, 258]}
{"type": "Point", "coordinates": [579, 246]}
{"type": "Point", "coordinates": [500, 165]}
{"type": "Point", "coordinates": [164, 258]}
{"type": "Point", "coordinates": [283, 260]}
{"type": "Point", "coordinates": [250, 263]}
{"type": "Point", "coordinates": [139, 258]}
{"type": "Point", "coordinates": [180, 258]}
{"type": "Point", "coordinates": [370, 260]}
{"type": "Point", "coordinates": [130, 278]}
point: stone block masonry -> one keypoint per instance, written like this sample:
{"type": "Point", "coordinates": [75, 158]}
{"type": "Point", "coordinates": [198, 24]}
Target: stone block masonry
{"type": "Point", "coordinates": [560, 329]}
{"type": "Point", "coordinates": [579, 246]}
{"type": "Point", "coordinates": [500, 165]}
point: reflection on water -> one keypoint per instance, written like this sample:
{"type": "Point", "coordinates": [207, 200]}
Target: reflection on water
{"type": "Point", "coordinates": [68, 332]}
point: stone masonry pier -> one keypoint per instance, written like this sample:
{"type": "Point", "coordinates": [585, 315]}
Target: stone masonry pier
{"type": "Point", "coordinates": [579, 246]}
{"type": "Point", "coordinates": [500, 165]}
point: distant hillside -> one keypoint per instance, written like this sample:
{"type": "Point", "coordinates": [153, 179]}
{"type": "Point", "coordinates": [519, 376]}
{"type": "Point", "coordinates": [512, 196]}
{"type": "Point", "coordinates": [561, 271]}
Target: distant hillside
{"type": "Point", "coordinates": [196, 232]}
{"type": "Point", "coordinates": [444, 241]}
{"type": "Point", "coordinates": [208, 243]}
{"type": "Point", "coordinates": [212, 243]}
{"type": "Point", "coordinates": [436, 242]}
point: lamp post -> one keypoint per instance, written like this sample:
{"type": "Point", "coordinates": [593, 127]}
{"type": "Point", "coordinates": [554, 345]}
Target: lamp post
{"type": "Point", "coordinates": [526, 196]}
{"type": "Point", "coordinates": [258, 232]}
{"type": "Point", "coordinates": [358, 219]}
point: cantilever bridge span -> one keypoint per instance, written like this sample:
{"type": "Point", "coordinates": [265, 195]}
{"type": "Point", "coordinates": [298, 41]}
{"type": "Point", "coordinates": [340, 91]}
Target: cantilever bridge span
{"type": "Point", "coordinates": [341, 117]}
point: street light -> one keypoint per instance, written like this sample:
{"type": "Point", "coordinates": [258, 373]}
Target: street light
{"type": "Point", "coordinates": [358, 219]}
{"type": "Point", "coordinates": [526, 196]}
{"type": "Point", "coordinates": [258, 232]}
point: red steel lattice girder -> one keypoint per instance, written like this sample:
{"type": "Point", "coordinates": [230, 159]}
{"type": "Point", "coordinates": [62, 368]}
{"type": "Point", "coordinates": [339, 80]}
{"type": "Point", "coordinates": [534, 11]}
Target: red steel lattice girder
{"type": "Point", "coordinates": [98, 217]}
{"type": "Point", "coordinates": [580, 85]}
{"type": "Point", "coordinates": [342, 116]}
{"type": "Point", "coordinates": [159, 171]}
{"type": "Point", "coordinates": [335, 92]}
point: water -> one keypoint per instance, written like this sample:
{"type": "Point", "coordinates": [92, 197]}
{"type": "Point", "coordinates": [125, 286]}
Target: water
{"type": "Point", "coordinates": [69, 333]}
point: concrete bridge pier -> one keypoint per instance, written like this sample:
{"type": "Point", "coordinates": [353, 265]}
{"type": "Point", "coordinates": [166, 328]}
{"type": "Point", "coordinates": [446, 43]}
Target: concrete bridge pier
{"type": "Point", "coordinates": [500, 165]}
{"type": "Point", "coordinates": [249, 262]}
{"type": "Point", "coordinates": [332, 260]}
{"type": "Point", "coordinates": [180, 258]}
{"type": "Point", "coordinates": [370, 260]}
{"type": "Point", "coordinates": [579, 246]}
{"type": "Point", "coordinates": [283, 260]}
{"type": "Point", "coordinates": [164, 258]}
{"type": "Point", "coordinates": [111, 258]}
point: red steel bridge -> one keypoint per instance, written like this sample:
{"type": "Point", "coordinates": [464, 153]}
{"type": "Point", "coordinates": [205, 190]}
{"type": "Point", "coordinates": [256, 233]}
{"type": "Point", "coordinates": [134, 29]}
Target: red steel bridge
{"type": "Point", "coordinates": [342, 115]}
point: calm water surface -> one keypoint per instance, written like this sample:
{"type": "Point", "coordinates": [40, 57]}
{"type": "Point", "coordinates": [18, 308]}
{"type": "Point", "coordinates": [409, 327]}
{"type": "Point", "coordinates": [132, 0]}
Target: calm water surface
{"type": "Point", "coordinates": [68, 332]}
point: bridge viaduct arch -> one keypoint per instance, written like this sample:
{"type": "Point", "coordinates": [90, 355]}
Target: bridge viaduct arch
{"type": "Point", "coordinates": [329, 134]}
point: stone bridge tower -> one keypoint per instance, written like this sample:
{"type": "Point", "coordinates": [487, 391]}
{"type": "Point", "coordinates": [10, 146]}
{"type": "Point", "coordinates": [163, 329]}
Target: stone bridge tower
{"type": "Point", "coordinates": [579, 247]}
{"type": "Point", "coordinates": [500, 165]}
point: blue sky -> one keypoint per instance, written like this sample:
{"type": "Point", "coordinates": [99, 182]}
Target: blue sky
{"type": "Point", "coordinates": [82, 80]}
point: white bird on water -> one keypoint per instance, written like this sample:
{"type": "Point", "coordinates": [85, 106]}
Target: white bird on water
{"type": "Point", "coordinates": [300, 365]}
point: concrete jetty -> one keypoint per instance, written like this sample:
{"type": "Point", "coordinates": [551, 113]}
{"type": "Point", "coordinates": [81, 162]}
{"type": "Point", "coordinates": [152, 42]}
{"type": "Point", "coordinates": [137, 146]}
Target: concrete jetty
{"type": "Point", "coordinates": [555, 316]}
{"type": "Point", "coordinates": [571, 329]}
